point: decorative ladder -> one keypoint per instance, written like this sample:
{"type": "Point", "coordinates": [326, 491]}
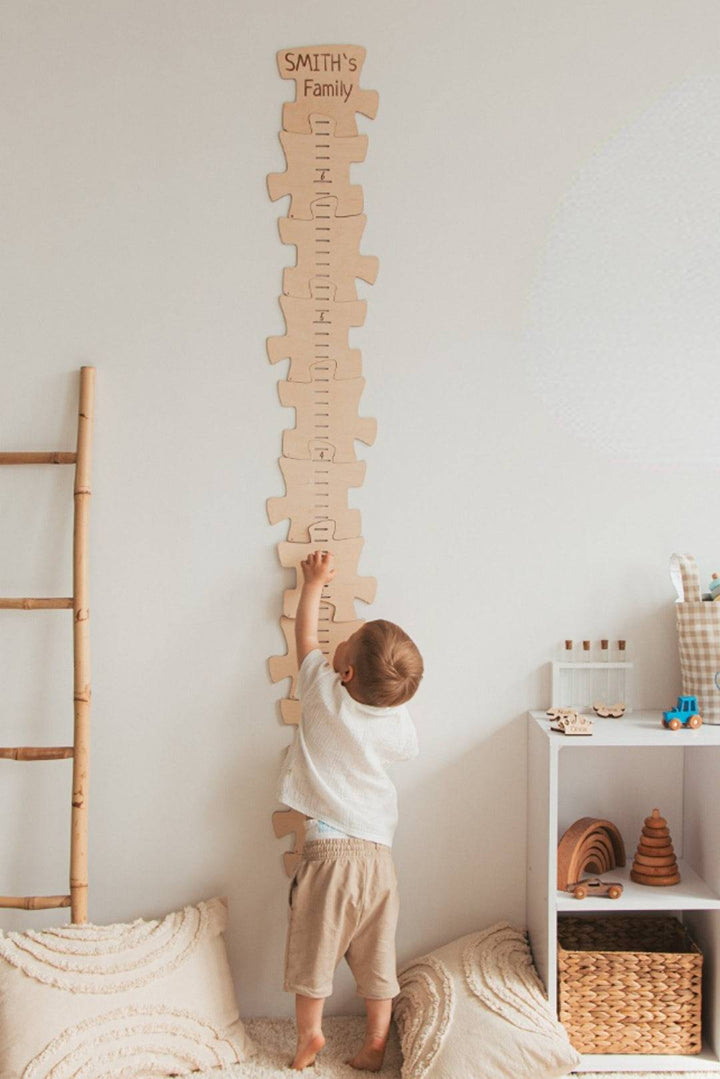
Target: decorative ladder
{"type": "Point", "coordinates": [78, 603]}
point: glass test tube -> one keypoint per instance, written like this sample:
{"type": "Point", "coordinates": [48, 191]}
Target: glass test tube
{"type": "Point", "coordinates": [622, 675]}
{"type": "Point", "coordinates": [586, 675]}
{"type": "Point", "coordinates": [569, 680]}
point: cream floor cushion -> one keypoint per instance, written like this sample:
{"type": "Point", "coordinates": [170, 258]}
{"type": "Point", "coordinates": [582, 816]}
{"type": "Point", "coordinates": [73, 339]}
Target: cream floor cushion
{"type": "Point", "coordinates": [146, 999]}
{"type": "Point", "coordinates": [476, 1009]}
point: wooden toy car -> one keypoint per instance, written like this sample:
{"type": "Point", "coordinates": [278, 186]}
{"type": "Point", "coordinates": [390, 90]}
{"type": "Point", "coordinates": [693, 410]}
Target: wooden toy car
{"type": "Point", "coordinates": [685, 715]}
{"type": "Point", "coordinates": [613, 889]}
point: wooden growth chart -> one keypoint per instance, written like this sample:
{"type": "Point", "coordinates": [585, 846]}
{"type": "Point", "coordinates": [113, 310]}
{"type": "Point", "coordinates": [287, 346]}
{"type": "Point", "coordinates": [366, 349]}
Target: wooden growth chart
{"type": "Point", "coordinates": [324, 383]}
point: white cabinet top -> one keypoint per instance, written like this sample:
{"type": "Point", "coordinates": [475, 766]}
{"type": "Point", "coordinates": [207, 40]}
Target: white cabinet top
{"type": "Point", "coordinates": [632, 729]}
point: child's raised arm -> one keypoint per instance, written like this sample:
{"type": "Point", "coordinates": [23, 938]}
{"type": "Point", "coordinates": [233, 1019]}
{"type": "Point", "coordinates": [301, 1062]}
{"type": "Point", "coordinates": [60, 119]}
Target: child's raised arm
{"type": "Point", "coordinates": [317, 570]}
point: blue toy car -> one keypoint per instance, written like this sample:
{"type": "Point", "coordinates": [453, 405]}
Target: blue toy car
{"type": "Point", "coordinates": [685, 715]}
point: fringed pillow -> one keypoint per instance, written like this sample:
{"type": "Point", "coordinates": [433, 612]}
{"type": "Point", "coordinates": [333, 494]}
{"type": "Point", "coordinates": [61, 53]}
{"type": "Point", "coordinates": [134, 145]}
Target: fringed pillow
{"type": "Point", "coordinates": [148, 999]}
{"type": "Point", "coordinates": [476, 1009]}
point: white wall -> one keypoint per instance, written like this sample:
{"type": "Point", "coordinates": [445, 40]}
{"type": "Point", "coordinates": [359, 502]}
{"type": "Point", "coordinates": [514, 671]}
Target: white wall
{"type": "Point", "coordinates": [540, 352]}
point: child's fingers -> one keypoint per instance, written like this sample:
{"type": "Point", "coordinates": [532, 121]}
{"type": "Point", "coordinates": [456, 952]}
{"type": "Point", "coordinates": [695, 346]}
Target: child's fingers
{"type": "Point", "coordinates": [319, 563]}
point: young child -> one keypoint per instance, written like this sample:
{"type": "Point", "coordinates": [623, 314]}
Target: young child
{"type": "Point", "coordinates": [343, 898]}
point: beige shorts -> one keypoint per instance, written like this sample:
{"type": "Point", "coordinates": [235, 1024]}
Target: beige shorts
{"type": "Point", "coordinates": [343, 902]}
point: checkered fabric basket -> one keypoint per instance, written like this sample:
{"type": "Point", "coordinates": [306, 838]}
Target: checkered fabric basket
{"type": "Point", "coordinates": [698, 625]}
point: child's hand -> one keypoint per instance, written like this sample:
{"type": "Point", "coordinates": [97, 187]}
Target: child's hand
{"type": "Point", "coordinates": [318, 567]}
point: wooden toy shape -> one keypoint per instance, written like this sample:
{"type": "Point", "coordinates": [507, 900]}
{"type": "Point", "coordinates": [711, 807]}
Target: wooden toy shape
{"type": "Point", "coordinates": [589, 844]}
{"type": "Point", "coordinates": [606, 711]}
{"type": "Point", "coordinates": [327, 247]}
{"type": "Point", "coordinates": [572, 723]}
{"type": "Point", "coordinates": [593, 886]}
{"type": "Point", "coordinates": [685, 714]}
{"type": "Point", "coordinates": [345, 586]}
{"type": "Point", "coordinates": [317, 491]}
{"type": "Point", "coordinates": [317, 329]}
{"type": "Point", "coordinates": [655, 863]}
{"type": "Point", "coordinates": [330, 635]}
{"type": "Point", "coordinates": [290, 822]}
{"type": "Point", "coordinates": [318, 164]}
{"type": "Point", "coordinates": [326, 81]}
{"type": "Point", "coordinates": [326, 411]}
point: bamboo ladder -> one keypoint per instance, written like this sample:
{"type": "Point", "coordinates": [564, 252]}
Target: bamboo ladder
{"type": "Point", "coordinates": [78, 603]}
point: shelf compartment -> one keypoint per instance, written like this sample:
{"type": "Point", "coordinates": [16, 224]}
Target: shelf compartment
{"type": "Point", "coordinates": [692, 893]}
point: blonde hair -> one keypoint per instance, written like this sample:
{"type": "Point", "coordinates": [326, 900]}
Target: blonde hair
{"type": "Point", "coordinates": [388, 666]}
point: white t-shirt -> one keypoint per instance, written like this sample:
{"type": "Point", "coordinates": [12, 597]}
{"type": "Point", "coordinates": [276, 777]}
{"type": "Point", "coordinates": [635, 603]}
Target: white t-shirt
{"type": "Point", "coordinates": [335, 769]}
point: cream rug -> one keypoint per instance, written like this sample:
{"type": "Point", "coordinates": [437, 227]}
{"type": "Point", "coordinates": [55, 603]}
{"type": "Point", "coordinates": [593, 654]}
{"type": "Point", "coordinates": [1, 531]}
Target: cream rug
{"type": "Point", "coordinates": [275, 1039]}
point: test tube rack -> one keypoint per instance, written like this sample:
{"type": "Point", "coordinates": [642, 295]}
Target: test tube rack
{"type": "Point", "coordinates": [581, 684]}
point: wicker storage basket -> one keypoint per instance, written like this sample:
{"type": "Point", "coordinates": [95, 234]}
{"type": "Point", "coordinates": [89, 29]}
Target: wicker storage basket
{"type": "Point", "coordinates": [629, 984]}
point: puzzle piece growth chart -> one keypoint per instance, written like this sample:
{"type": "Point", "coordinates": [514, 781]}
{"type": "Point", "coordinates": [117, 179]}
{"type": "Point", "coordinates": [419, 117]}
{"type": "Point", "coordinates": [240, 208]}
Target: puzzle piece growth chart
{"type": "Point", "coordinates": [324, 383]}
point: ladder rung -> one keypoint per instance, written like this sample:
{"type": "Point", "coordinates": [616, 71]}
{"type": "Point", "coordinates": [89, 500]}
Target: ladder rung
{"type": "Point", "coordinates": [34, 902]}
{"type": "Point", "coordinates": [54, 458]}
{"type": "Point", "coordinates": [36, 753]}
{"type": "Point", "coordinates": [25, 604]}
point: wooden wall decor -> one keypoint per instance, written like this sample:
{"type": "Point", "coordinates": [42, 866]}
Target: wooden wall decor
{"type": "Point", "coordinates": [317, 328]}
{"type": "Point", "coordinates": [324, 384]}
{"type": "Point", "coordinates": [345, 587]}
{"type": "Point", "coordinates": [589, 845]}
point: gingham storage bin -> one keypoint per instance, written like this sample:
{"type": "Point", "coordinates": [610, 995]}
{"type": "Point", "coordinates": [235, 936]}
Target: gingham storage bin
{"type": "Point", "coordinates": [629, 984]}
{"type": "Point", "coordinates": [698, 626]}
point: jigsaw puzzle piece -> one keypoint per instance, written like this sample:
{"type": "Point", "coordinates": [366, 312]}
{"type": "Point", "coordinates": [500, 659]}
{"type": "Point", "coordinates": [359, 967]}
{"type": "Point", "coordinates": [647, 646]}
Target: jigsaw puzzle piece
{"type": "Point", "coordinates": [326, 410]}
{"type": "Point", "coordinates": [290, 822]}
{"type": "Point", "coordinates": [328, 248]}
{"type": "Point", "coordinates": [290, 711]}
{"type": "Point", "coordinates": [317, 490]}
{"type": "Point", "coordinates": [345, 586]}
{"type": "Point", "coordinates": [318, 164]}
{"type": "Point", "coordinates": [330, 635]}
{"type": "Point", "coordinates": [280, 667]}
{"type": "Point", "coordinates": [317, 329]}
{"type": "Point", "coordinates": [326, 81]}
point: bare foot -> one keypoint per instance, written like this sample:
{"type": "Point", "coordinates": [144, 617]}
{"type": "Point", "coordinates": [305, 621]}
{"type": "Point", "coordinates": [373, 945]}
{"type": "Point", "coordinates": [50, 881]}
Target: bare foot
{"type": "Point", "coordinates": [371, 1055]}
{"type": "Point", "coordinates": [306, 1050]}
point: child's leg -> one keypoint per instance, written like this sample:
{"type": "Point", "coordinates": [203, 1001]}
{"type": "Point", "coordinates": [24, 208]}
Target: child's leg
{"type": "Point", "coordinates": [377, 1028]}
{"type": "Point", "coordinates": [308, 1015]}
{"type": "Point", "coordinates": [371, 955]}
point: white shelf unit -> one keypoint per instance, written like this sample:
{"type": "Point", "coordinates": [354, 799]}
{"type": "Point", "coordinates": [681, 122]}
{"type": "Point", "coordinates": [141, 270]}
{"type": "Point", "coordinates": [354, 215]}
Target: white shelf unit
{"type": "Point", "coordinates": [620, 773]}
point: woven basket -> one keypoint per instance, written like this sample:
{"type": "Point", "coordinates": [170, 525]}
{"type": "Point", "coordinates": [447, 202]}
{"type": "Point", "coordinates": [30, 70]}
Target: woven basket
{"type": "Point", "coordinates": [629, 984]}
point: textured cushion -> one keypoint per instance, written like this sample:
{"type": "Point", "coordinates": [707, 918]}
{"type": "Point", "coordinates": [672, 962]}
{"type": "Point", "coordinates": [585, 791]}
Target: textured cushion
{"type": "Point", "coordinates": [138, 1000]}
{"type": "Point", "coordinates": [476, 1009]}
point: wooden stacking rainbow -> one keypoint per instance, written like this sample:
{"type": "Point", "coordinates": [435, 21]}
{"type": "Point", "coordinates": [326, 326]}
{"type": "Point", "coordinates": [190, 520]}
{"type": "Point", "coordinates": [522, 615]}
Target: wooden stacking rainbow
{"type": "Point", "coordinates": [324, 382]}
{"type": "Point", "coordinates": [590, 845]}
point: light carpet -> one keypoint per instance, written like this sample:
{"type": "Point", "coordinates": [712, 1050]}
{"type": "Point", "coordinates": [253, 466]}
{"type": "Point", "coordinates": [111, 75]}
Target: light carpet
{"type": "Point", "coordinates": [275, 1039]}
